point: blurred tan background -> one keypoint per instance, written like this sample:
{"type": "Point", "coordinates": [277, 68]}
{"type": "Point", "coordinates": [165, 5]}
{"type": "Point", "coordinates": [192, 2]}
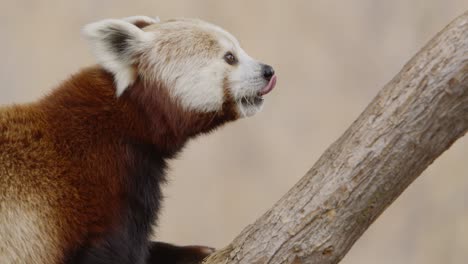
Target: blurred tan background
{"type": "Point", "coordinates": [331, 58]}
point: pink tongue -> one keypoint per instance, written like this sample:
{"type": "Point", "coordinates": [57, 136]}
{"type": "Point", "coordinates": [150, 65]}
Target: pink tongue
{"type": "Point", "coordinates": [269, 86]}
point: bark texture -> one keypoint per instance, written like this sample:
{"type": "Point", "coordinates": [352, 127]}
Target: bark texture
{"type": "Point", "coordinates": [413, 120]}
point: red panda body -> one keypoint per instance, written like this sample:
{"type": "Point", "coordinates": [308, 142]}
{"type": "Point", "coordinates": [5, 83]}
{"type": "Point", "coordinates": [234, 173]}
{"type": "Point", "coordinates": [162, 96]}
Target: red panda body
{"type": "Point", "coordinates": [94, 161]}
{"type": "Point", "coordinates": [81, 170]}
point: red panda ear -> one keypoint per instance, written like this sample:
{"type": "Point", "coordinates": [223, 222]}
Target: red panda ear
{"type": "Point", "coordinates": [117, 44]}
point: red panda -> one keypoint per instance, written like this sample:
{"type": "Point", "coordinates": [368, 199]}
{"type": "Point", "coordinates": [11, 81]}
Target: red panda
{"type": "Point", "coordinates": [81, 169]}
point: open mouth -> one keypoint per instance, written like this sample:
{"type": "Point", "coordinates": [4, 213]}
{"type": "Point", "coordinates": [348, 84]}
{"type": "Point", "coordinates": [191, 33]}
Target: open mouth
{"type": "Point", "coordinates": [250, 105]}
{"type": "Point", "coordinates": [257, 100]}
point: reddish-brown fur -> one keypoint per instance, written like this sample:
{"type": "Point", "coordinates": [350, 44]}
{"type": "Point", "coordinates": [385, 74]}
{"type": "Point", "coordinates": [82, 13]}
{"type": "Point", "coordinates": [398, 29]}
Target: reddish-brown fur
{"type": "Point", "coordinates": [66, 148]}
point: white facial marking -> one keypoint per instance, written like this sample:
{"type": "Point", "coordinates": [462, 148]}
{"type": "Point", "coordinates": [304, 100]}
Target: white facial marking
{"type": "Point", "coordinates": [192, 75]}
{"type": "Point", "coordinates": [246, 78]}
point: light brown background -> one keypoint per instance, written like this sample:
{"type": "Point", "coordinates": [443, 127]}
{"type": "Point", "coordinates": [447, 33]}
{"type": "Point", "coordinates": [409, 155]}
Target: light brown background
{"type": "Point", "coordinates": [331, 57]}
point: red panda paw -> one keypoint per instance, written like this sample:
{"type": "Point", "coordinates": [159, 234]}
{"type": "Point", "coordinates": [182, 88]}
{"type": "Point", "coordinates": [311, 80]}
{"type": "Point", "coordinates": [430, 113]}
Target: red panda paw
{"type": "Point", "coordinates": [171, 254]}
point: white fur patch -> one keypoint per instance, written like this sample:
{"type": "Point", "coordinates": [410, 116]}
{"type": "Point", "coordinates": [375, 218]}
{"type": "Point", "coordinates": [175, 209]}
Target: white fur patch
{"type": "Point", "coordinates": [201, 92]}
{"type": "Point", "coordinates": [246, 78]}
{"type": "Point", "coordinates": [120, 63]}
{"type": "Point", "coordinates": [196, 84]}
{"type": "Point", "coordinates": [193, 75]}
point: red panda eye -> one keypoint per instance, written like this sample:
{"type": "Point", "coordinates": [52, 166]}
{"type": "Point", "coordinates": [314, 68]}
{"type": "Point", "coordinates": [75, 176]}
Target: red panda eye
{"type": "Point", "coordinates": [230, 58]}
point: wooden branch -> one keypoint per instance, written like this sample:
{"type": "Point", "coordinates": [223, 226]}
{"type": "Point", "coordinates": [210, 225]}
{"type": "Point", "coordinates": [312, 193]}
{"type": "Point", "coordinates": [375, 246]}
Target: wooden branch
{"type": "Point", "coordinates": [413, 120]}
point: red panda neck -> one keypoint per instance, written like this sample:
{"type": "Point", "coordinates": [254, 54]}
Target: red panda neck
{"type": "Point", "coordinates": [170, 123]}
{"type": "Point", "coordinates": [85, 109]}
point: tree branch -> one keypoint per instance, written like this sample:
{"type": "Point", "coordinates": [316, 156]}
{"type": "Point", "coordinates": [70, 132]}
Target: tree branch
{"type": "Point", "coordinates": [413, 120]}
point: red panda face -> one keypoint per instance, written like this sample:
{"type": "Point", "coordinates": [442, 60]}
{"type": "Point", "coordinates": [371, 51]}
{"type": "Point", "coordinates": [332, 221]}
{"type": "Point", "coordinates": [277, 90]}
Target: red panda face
{"type": "Point", "coordinates": [200, 64]}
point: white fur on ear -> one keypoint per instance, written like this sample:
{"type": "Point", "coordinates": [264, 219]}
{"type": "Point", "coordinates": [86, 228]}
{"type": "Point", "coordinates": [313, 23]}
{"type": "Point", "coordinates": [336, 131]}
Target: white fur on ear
{"type": "Point", "coordinates": [116, 44]}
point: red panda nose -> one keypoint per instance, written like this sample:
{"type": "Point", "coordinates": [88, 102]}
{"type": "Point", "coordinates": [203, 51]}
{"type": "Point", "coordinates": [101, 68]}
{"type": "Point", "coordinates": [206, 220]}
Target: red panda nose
{"type": "Point", "coordinates": [268, 72]}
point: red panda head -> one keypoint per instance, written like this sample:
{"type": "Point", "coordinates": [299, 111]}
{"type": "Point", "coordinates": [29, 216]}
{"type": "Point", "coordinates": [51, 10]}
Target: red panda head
{"type": "Point", "coordinates": [199, 64]}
